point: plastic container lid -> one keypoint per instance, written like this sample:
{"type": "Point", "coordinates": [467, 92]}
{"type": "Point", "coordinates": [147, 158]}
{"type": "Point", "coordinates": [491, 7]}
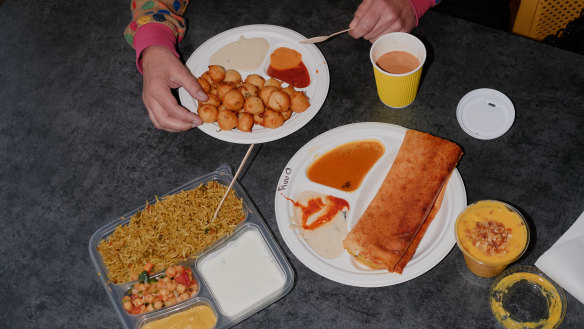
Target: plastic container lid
{"type": "Point", "coordinates": [485, 113]}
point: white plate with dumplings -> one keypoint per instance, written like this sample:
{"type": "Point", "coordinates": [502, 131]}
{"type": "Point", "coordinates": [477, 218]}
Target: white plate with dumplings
{"type": "Point", "coordinates": [277, 37]}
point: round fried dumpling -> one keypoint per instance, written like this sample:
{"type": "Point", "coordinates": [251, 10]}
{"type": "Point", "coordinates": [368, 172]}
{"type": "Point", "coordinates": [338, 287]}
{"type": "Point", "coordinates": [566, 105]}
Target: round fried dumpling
{"type": "Point", "coordinates": [287, 114]}
{"type": "Point", "coordinates": [207, 77]}
{"type": "Point", "coordinates": [204, 85]}
{"type": "Point", "coordinates": [233, 100]}
{"type": "Point", "coordinates": [226, 120]}
{"type": "Point", "coordinates": [259, 119]}
{"type": "Point", "coordinates": [232, 76]}
{"type": "Point", "coordinates": [208, 113]}
{"type": "Point", "coordinates": [289, 90]}
{"type": "Point", "coordinates": [253, 105]}
{"type": "Point", "coordinates": [244, 121]}
{"type": "Point", "coordinates": [272, 119]}
{"type": "Point", "coordinates": [256, 80]}
{"type": "Point", "coordinates": [213, 90]}
{"type": "Point", "coordinates": [217, 73]}
{"type": "Point", "coordinates": [266, 92]}
{"type": "Point", "coordinates": [223, 87]}
{"type": "Point", "coordinates": [299, 102]}
{"type": "Point", "coordinates": [279, 101]}
{"type": "Point", "coordinates": [249, 90]}
{"type": "Point", "coordinates": [213, 100]}
{"type": "Point", "coordinates": [273, 82]}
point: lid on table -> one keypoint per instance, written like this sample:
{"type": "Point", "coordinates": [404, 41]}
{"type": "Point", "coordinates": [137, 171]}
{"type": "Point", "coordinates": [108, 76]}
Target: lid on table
{"type": "Point", "coordinates": [485, 113]}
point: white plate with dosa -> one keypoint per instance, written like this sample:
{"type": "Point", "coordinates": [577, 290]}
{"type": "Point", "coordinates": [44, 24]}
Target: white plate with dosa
{"type": "Point", "coordinates": [436, 244]}
{"type": "Point", "coordinates": [276, 36]}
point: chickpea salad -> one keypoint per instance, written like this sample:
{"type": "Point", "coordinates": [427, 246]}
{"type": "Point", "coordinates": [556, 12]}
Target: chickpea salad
{"type": "Point", "coordinates": [150, 293]}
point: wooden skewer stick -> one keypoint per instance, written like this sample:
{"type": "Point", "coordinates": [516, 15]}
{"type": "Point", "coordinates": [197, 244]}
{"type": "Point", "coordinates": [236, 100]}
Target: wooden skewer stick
{"type": "Point", "coordinates": [233, 181]}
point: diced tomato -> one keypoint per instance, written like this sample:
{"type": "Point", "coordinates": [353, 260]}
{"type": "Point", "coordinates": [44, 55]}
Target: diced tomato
{"type": "Point", "coordinates": [148, 267]}
{"type": "Point", "coordinates": [136, 310]}
{"type": "Point", "coordinates": [183, 278]}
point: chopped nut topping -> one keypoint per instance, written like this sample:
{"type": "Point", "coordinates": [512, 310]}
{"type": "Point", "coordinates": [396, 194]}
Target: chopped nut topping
{"type": "Point", "coordinates": [490, 237]}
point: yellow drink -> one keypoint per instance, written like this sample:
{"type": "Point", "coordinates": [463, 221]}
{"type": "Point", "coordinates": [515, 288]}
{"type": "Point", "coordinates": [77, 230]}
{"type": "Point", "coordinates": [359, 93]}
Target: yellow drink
{"type": "Point", "coordinates": [491, 235]}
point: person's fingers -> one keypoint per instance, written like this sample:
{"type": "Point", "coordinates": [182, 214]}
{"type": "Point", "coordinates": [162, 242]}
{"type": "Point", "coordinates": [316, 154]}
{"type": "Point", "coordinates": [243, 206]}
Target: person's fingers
{"type": "Point", "coordinates": [166, 114]}
{"type": "Point", "coordinates": [151, 115]}
{"type": "Point", "coordinates": [361, 11]}
{"type": "Point", "coordinates": [374, 18]}
{"type": "Point", "coordinates": [357, 30]}
{"type": "Point", "coordinates": [189, 82]}
{"type": "Point", "coordinates": [383, 26]}
{"type": "Point", "coordinates": [367, 23]}
{"type": "Point", "coordinates": [155, 113]}
{"type": "Point", "coordinates": [174, 110]}
{"type": "Point", "coordinates": [165, 120]}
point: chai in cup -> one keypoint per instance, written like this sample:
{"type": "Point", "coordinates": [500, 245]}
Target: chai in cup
{"type": "Point", "coordinates": [491, 235]}
{"type": "Point", "coordinates": [397, 60]}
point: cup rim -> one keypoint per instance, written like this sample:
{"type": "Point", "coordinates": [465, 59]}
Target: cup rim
{"type": "Point", "coordinates": [388, 35]}
{"type": "Point", "coordinates": [467, 254]}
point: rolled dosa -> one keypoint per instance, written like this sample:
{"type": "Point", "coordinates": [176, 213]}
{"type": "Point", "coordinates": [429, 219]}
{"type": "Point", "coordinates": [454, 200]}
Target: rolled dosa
{"type": "Point", "coordinates": [390, 224]}
{"type": "Point", "coordinates": [399, 268]}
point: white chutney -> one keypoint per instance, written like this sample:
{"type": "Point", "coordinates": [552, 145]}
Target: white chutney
{"type": "Point", "coordinates": [242, 55]}
{"type": "Point", "coordinates": [242, 274]}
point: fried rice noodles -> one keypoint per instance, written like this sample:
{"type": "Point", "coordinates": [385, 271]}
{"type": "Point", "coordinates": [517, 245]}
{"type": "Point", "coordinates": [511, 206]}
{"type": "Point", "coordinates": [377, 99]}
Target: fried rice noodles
{"type": "Point", "coordinates": [171, 230]}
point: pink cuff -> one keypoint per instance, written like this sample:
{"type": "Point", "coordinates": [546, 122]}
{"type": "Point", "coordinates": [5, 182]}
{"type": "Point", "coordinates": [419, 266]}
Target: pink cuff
{"type": "Point", "coordinates": [153, 34]}
{"type": "Point", "coordinates": [421, 7]}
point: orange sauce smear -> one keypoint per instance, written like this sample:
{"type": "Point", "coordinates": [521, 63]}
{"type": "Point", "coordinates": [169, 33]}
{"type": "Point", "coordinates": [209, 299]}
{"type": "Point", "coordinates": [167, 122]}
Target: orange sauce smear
{"type": "Point", "coordinates": [345, 166]}
{"type": "Point", "coordinates": [332, 206]}
{"type": "Point", "coordinates": [286, 65]}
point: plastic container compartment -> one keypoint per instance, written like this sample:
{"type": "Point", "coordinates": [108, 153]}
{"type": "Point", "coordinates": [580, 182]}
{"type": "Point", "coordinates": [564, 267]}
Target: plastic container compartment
{"type": "Point", "coordinates": [253, 225]}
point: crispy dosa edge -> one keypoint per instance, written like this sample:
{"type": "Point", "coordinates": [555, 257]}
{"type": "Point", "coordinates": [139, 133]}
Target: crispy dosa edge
{"type": "Point", "coordinates": [411, 251]}
{"type": "Point", "coordinates": [368, 241]}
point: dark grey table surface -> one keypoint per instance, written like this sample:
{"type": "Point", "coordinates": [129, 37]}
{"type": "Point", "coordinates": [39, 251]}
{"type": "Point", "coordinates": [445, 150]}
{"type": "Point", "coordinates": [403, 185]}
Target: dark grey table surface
{"type": "Point", "coordinates": [77, 150]}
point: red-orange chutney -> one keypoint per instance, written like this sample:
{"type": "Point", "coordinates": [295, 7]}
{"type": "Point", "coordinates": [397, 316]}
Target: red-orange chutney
{"type": "Point", "coordinates": [286, 65]}
{"type": "Point", "coordinates": [332, 207]}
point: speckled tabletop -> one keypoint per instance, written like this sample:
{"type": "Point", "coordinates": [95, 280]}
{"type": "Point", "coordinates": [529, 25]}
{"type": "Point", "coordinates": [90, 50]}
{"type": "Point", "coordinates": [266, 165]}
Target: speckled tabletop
{"type": "Point", "coordinates": [77, 150]}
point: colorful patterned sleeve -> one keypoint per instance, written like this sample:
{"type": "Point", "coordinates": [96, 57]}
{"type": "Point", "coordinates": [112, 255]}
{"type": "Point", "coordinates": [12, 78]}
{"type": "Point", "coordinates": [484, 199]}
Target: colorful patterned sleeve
{"type": "Point", "coordinates": [422, 6]}
{"type": "Point", "coordinates": [166, 12]}
{"type": "Point", "coordinates": [156, 22]}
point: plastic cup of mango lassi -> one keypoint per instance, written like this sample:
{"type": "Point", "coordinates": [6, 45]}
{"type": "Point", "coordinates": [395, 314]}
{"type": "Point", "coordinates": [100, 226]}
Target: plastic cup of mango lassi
{"type": "Point", "coordinates": [491, 235]}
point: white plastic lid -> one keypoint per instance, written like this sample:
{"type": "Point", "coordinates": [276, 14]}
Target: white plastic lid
{"type": "Point", "coordinates": [485, 113]}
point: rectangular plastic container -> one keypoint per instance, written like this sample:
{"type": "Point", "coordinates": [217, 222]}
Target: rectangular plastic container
{"type": "Point", "coordinates": [206, 296]}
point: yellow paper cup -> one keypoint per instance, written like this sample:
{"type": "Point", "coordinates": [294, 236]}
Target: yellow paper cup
{"type": "Point", "coordinates": [397, 90]}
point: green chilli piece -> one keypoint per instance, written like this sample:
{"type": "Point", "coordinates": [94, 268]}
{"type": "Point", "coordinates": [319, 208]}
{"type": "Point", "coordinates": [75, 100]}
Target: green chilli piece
{"type": "Point", "coordinates": [143, 277]}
